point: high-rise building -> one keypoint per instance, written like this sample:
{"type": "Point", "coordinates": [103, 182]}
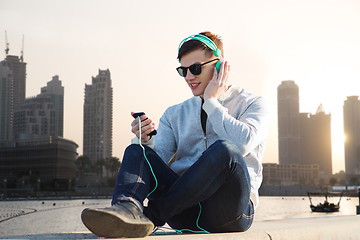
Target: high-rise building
{"type": "Point", "coordinates": [6, 102]}
{"type": "Point", "coordinates": [13, 81]}
{"type": "Point", "coordinates": [97, 139]}
{"type": "Point", "coordinates": [41, 115]}
{"type": "Point", "coordinates": [315, 140]}
{"type": "Point", "coordinates": [304, 138]}
{"type": "Point", "coordinates": [288, 122]}
{"type": "Point", "coordinates": [56, 92]}
{"type": "Point", "coordinates": [352, 135]}
{"type": "Point", "coordinates": [18, 70]}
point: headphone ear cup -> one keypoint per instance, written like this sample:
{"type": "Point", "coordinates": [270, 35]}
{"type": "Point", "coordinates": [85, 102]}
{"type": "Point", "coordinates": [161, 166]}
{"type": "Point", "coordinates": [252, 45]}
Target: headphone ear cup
{"type": "Point", "coordinates": [217, 52]}
{"type": "Point", "coordinates": [218, 65]}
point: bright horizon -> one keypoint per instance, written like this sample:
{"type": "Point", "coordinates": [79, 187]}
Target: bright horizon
{"type": "Point", "coordinates": [315, 43]}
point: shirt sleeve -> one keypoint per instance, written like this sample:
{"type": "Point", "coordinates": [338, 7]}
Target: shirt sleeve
{"type": "Point", "coordinates": [165, 144]}
{"type": "Point", "coordinates": [247, 130]}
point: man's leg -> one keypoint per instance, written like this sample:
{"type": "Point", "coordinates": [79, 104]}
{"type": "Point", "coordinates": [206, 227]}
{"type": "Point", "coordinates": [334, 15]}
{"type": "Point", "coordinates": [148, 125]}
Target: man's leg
{"type": "Point", "coordinates": [135, 179]}
{"type": "Point", "coordinates": [134, 182]}
{"type": "Point", "coordinates": [220, 176]}
{"type": "Point", "coordinates": [230, 208]}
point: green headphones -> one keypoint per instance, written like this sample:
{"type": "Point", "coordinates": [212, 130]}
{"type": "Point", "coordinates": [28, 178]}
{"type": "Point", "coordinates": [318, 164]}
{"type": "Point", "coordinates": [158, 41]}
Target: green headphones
{"type": "Point", "coordinates": [208, 42]}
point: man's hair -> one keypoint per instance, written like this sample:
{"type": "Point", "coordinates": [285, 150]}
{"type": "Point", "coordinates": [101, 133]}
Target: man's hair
{"type": "Point", "coordinates": [194, 44]}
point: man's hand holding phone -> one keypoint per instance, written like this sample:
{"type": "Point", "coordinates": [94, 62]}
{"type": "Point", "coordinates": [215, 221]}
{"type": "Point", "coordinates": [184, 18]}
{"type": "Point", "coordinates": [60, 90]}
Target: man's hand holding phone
{"type": "Point", "coordinates": [147, 126]}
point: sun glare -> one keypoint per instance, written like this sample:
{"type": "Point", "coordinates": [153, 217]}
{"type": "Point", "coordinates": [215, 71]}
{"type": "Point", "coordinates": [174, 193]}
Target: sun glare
{"type": "Point", "coordinates": [338, 139]}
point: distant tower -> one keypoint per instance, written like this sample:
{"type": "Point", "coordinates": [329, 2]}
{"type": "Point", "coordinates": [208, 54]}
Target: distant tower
{"type": "Point", "coordinates": [18, 69]}
{"type": "Point", "coordinates": [12, 90]}
{"type": "Point", "coordinates": [6, 102]}
{"type": "Point", "coordinates": [315, 132]}
{"type": "Point", "coordinates": [42, 115]}
{"type": "Point", "coordinates": [97, 139]}
{"type": "Point", "coordinates": [56, 92]}
{"type": "Point", "coordinates": [352, 135]}
{"type": "Point", "coordinates": [288, 122]}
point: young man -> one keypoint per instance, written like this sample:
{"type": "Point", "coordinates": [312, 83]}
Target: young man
{"type": "Point", "coordinates": [203, 168]}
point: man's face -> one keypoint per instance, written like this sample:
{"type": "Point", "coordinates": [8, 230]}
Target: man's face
{"type": "Point", "coordinates": [198, 83]}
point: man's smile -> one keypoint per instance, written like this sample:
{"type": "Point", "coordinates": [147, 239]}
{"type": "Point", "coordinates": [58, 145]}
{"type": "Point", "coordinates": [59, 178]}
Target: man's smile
{"type": "Point", "coordinates": [194, 85]}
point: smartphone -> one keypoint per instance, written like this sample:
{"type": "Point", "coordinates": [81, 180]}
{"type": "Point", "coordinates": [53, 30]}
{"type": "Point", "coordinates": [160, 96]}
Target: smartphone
{"type": "Point", "coordinates": [138, 114]}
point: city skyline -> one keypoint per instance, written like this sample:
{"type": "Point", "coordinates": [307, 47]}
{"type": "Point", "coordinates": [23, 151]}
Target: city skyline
{"type": "Point", "coordinates": [304, 138]}
{"type": "Point", "coordinates": [33, 152]}
{"type": "Point", "coordinates": [314, 43]}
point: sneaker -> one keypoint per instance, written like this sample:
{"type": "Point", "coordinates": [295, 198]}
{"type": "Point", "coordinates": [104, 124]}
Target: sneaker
{"type": "Point", "coordinates": [124, 219]}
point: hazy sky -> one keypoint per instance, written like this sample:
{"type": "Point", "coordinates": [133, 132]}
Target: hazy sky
{"type": "Point", "coordinates": [314, 42]}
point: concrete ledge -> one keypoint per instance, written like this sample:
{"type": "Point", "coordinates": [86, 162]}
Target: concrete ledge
{"type": "Point", "coordinates": [171, 236]}
{"type": "Point", "coordinates": [327, 227]}
{"type": "Point", "coordinates": [249, 235]}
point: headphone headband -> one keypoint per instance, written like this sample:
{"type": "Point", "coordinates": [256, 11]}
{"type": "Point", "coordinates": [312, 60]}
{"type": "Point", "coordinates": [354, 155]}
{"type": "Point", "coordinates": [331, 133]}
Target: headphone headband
{"type": "Point", "coordinates": [204, 39]}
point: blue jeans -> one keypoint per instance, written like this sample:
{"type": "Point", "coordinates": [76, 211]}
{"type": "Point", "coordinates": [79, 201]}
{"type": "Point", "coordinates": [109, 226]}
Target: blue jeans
{"type": "Point", "coordinates": [219, 180]}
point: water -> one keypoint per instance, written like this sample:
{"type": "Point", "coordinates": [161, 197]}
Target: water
{"type": "Point", "coordinates": [276, 208]}
{"type": "Point", "coordinates": [46, 219]}
{"type": "Point", "coordinates": [30, 219]}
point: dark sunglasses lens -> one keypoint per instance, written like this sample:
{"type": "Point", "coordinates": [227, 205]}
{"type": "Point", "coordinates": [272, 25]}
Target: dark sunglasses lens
{"type": "Point", "coordinates": [182, 71]}
{"type": "Point", "coordinates": [195, 69]}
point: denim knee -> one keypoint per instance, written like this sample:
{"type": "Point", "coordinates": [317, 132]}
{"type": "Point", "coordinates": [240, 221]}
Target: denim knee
{"type": "Point", "coordinates": [225, 148]}
{"type": "Point", "coordinates": [226, 145]}
{"type": "Point", "coordinates": [133, 148]}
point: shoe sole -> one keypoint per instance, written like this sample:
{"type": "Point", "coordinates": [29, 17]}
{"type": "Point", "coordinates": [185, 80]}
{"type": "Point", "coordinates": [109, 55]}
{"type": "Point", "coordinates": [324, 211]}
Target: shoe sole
{"type": "Point", "coordinates": [105, 224]}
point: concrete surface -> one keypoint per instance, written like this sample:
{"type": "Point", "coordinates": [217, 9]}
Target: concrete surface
{"type": "Point", "coordinates": [328, 227]}
{"type": "Point", "coordinates": [339, 227]}
{"type": "Point", "coordinates": [62, 221]}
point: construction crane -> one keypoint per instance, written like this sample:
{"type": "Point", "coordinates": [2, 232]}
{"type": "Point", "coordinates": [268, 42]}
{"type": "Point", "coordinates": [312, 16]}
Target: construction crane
{"type": "Point", "coordinates": [7, 44]}
{"type": "Point", "coordinates": [22, 50]}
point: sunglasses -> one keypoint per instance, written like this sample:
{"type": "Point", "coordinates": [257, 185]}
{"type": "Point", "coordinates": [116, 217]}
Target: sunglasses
{"type": "Point", "coordinates": [194, 69]}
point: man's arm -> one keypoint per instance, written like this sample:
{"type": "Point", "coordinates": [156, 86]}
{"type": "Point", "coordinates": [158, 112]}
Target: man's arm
{"type": "Point", "coordinates": [163, 142]}
{"type": "Point", "coordinates": [247, 130]}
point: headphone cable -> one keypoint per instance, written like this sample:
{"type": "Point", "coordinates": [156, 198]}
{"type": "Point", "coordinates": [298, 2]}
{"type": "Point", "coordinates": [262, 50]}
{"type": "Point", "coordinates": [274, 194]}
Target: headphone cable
{"type": "Point", "coordinates": [156, 185]}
